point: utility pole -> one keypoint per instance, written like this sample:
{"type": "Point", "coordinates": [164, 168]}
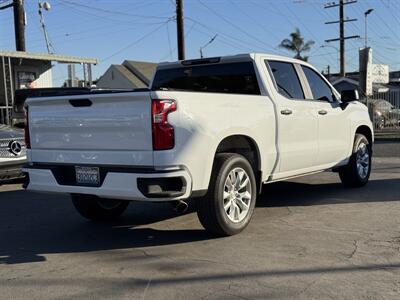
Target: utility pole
{"type": "Point", "coordinates": [342, 37]}
{"type": "Point", "coordinates": [19, 22]}
{"type": "Point", "coordinates": [342, 50]}
{"type": "Point", "coordinates": [19, 25]}
{"type": "Point", "coordinates": [180, 30]}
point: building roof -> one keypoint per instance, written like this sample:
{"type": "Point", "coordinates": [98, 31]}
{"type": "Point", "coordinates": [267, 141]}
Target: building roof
{"type": "Point", "coordinates": [48, 57]}
{"type": "Point", "coordinates": [341, 79]}
{"type": "Point", "coordinates": [377, 87]}
{"type": "Point", "coordinates": [143, 70]}
{"type": "Point", "coordinates": [128, 75]}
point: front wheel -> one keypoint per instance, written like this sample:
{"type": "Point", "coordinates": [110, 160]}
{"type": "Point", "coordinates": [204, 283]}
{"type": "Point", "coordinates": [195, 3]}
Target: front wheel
{"type": "Point", "coordinates": [356, 173]}
{"type": "Point", "coordinates": [98, 209]}
{"type": "Point", "coordinates": [229, 204]}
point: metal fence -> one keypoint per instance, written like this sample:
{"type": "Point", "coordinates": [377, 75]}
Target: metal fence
{"type": "Point", "coordinates": [384, 109]}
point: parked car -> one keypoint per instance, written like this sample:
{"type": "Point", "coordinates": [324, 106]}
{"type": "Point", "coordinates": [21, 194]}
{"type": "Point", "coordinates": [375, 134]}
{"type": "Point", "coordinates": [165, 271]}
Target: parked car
{"type": "Point", "coordinates": [385, 114]}
{"type": "Point", "coordinates": [215, 129]}
{"type": "Point", "coordinates": [12, 153]}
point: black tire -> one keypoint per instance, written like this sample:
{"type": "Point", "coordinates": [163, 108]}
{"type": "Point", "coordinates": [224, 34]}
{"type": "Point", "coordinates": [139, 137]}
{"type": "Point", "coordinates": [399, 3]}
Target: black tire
{"type": "Point", "coordinates": [95, 209]}
{"type": "Point", "coordinates": [210, 208]}
{"type": "Point", "coordinates": [349, 174]}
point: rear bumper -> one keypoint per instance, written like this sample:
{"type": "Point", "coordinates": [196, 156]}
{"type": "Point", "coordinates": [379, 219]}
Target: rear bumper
{"type": "Point", "coordinates": [123, 184]}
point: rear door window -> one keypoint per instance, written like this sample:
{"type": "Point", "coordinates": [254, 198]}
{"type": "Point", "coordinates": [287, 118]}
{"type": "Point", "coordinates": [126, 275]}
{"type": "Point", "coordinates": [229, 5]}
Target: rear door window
{"type": "Point", "coordinates": [287, 81]}
{"type": "Point", "coordinates": [230, 78]}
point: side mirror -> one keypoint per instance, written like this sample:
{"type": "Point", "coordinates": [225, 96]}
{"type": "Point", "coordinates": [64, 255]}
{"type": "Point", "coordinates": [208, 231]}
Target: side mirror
{"type": "Point", "coordinates": [349, 95]}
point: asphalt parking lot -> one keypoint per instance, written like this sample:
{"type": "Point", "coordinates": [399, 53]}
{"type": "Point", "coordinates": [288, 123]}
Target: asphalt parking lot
{"type": "Point", "coordinates": [310, 238]}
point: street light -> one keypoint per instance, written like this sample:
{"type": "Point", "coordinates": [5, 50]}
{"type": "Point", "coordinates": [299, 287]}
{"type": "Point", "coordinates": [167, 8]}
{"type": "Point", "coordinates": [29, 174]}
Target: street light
{"type": "Point", "coordinates": [337, 50]}
{"type": "Point", "coordinates": [365, 15]}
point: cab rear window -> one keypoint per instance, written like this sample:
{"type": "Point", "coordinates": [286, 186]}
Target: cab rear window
{"type": "Point", "coordinates": [229, 78]}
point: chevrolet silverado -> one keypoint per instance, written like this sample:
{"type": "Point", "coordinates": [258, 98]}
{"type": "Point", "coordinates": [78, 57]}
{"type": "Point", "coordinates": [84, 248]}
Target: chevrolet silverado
{"type": "Point", "coordinates": [213, 129]}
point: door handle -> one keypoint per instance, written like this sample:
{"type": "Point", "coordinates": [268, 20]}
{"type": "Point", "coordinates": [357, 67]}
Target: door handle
{"type": "Point", "coordinates": [286, 112]}
{"type": "Point", "coordinates": [80, 102]}
{"type": "Point", "coordinates": [322, 112]}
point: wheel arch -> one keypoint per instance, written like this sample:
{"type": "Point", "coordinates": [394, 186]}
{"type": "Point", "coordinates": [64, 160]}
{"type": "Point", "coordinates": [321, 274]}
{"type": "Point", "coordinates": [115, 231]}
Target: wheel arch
{"type": "Point", "coordinates": [246, 146]}
{"type": "Point", "coordinates": [367, 132]}
{"type": "Point", "coordinates": [241, 144]}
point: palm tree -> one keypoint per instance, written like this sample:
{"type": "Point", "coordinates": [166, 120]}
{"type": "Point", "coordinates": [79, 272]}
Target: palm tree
{"type": "Point", "coordinates": [296, 44]}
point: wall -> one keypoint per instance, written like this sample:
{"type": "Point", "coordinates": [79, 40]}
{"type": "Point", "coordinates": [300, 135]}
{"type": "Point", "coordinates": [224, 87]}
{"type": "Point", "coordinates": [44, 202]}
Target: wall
{"type": "Point", "coordinates": [114, 79]}
{"type": "Point", "coordinates": [43, 73]}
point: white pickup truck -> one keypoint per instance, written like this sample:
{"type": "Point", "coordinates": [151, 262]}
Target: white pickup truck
{"type": "Point", "coordinates": [214, 129]}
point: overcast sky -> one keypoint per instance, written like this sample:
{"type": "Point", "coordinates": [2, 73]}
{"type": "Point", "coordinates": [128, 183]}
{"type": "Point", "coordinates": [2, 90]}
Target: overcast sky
{"type": "Point", "coordinates": [114, 30]}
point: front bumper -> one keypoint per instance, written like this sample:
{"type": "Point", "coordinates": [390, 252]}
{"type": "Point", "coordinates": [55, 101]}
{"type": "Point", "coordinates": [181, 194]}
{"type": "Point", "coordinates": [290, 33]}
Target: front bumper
{"type": "Point", "coordinates": [11, 169]}
{"type": "Point", "coordinates": [123, 184]}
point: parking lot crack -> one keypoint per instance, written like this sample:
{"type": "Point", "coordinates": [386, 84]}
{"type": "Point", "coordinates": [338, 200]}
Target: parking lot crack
{"type": "Point", "coordinates": [355, 244]}
{"type": "Point", "coordinates": [147, 288]}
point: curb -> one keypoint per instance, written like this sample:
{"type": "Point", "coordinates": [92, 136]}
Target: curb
{"type": "Point", "coordinates": [387, 138]}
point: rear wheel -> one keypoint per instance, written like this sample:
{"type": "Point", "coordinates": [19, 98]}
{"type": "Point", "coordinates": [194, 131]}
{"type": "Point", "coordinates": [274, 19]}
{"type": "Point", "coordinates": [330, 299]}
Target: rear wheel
{"type": "Point", "coordinates": [98, 209]}
{"type": "Point", "coordinates": [229, 204]}
{"type": "Point", "coordinates": [356, 172]}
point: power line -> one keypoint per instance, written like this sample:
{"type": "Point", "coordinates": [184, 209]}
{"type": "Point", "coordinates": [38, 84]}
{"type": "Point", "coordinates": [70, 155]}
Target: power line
{"type": "Point", "coordinates": [390, 11]}
{"type": "Point", "coordinates": [169, 41]}
{"type": "Point", "coordinates": [85, 12]}
{"type": "Point", "coordinates": [225, 41]}
{"type": "Point", "coordinates": [342, 37]}
{"type": "Point", "coordinates": [272, 8]}
{"type": "Point", "coordinates": [110, 11]}
{"type": "Point", "coordinates": [64, 38]}
{"type": "Point", "coordinates": [304, 25]}
{"type": "Point", "coordinates": [236, 40]}
{"type": "Point", "coordinates": [387, 26]}
{"type": "Point", "coordinates": [235, 26]}
{"type": "Point", "coordinates": [176, 47]}
{"type": "Point", "coordinates": [135, 42]}
{"type": "Point", "coordinates": [323, 13]}
{"type": "Point", "coordinates": [254, 20]}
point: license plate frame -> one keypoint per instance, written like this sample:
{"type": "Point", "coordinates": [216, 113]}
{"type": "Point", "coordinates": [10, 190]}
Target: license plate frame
{"type": "Point", "coordinates": [87, 176]}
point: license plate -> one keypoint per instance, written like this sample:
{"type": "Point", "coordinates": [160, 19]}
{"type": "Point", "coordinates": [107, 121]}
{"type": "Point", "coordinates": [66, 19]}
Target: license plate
{"type": "Point", "coordinates": [87, 175]}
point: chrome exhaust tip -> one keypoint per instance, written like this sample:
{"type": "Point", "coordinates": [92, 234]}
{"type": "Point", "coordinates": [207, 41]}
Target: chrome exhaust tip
{"type": "Point", "coordinates": [180, 206]}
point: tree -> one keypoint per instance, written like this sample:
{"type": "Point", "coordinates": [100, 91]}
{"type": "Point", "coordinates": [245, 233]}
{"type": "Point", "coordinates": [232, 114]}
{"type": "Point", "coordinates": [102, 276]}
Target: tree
{"type": "Point", "coordinates": [296, 44]}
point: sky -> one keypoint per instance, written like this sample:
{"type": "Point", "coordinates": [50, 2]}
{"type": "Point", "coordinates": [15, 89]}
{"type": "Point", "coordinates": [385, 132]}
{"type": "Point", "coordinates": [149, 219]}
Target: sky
{"type": "Point", "coordinates": [115, 30]}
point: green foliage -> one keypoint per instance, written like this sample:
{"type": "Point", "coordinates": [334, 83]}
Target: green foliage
{"type": "Point", "coordinates": [297, 45]}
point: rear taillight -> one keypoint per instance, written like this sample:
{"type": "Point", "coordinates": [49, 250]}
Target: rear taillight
{"type": "Point", "coordinates": [27, 134]}
{"type": "Point", "coordinates": [163, 132]}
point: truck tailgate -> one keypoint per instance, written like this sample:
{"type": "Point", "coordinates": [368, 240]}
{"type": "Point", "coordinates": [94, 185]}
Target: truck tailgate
{"type": "Point", "coordinates": [118, 123]}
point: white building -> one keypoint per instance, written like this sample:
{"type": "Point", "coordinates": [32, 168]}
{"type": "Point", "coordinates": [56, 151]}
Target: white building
{"type": "Point", "coordinates": [20, 70]}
